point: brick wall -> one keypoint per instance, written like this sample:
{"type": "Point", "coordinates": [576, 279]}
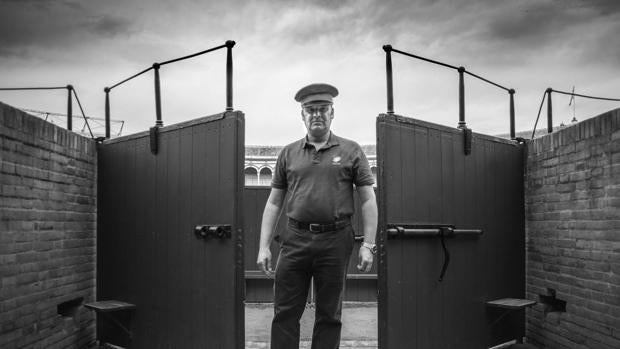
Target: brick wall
{"type": "Point", "coordinates": [47, 233]}
{"type": "Point", "coordinates": [573, 235]}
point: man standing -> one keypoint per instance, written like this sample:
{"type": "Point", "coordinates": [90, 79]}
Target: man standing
{"type": "Point", "coordinates": [318, 173]}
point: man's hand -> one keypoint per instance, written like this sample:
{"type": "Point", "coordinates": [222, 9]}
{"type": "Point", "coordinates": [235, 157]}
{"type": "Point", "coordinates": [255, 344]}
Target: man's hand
{"type": "Point", "coordinates": [264, 261]}
{"type": "Point", "coordinates": [366, 258]}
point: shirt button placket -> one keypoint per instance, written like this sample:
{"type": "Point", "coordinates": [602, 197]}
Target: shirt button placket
{"type": "Point", "coordinates": [315, 157]}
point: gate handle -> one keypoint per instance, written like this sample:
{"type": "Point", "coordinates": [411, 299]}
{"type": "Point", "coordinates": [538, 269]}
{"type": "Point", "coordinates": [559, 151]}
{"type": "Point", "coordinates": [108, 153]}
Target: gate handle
{"type": "Point", "coordinates": [401, 232]}
{"type": "Point", "coordinates": [445, 232]}
{"type": "Point", "coordinates": [441, 231]}
{"type": "Point", "coordinates": [216, 231]}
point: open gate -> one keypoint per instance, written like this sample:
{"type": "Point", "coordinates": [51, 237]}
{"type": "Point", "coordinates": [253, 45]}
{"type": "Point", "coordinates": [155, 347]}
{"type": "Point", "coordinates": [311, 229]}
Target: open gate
{"type": "Point", "coordinates": [431, 193]}
{"type": "Point", "coordinates": [169, 236]}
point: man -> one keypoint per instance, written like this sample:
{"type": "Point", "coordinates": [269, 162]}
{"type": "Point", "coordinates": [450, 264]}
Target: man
{"type": "Point", "coordinates": [318, 173]}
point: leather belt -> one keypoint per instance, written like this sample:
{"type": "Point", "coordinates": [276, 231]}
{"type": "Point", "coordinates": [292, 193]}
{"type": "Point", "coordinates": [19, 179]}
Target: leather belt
{"type": "Point", "coordinates": [320, 227]}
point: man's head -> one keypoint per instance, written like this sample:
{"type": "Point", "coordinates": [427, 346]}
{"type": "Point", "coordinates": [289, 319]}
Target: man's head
{"type": "Point", "coordinates": [317, 109]}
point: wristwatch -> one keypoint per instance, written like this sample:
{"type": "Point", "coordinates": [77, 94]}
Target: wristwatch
{"type": "Point", "coordinates": [371, 247]}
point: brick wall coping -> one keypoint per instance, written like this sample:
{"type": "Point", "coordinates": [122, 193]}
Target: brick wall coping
{"type": "Point", "coordinates": [599, 125]}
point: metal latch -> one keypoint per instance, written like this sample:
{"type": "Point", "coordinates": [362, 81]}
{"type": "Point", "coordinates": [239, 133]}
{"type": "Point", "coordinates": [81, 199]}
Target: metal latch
{"type": "Point", "coordinates": [213, 231]}
{"type": "Point", "coordinates": [442, 231]}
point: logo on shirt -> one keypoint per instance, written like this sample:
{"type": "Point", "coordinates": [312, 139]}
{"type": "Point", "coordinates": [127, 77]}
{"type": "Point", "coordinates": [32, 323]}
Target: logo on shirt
{"type": "Point", "coordinates": [336, 160]}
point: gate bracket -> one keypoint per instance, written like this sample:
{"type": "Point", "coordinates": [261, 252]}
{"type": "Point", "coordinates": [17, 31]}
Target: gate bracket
{"type": "Point", "coordinates": [154, 137]}
{"type": "Point", "coordinates": [467, 135]}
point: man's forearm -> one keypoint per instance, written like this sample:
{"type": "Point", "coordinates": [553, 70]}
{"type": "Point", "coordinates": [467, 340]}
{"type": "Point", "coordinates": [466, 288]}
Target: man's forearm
{"type": "Point", "coordinates": [270, 216]}
{"type": "Point", "coordinates": [369, 220]}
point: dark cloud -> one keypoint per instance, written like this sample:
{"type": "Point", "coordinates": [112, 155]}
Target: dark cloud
{"type": "Point", "coordinates": [12, 52]}
{"type": "Point", "coordinates": [325, 4]}
{"type": "Point", "coordinates": [32, 25]}
{"type": "Point", "coordinates": [505, 31]}
{"type": "Point", "coordinates": [531, 25]}
{"type": "Point", "coordinates": [605, 48]}
{"type": "Point", "coordinates": [600, 7]}
{"type": "Point", "coordinates": [109, 26]}
{"type": "Point", "coordinates": [496, 32]}
{"type": "Point", "coordinates": [579, 28]}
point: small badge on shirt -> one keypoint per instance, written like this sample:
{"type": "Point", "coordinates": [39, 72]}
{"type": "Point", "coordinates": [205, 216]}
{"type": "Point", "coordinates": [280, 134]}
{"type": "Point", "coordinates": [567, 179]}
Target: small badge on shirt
{"type": "Point", "coordinates": [336, 160]}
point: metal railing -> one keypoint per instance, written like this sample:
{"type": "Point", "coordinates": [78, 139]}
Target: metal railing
{"type": "Point", "coordinates": [547, 95]}
{"type": "Point", "coordinates": [70, 92]}
{"type": "Point", "coordinates": [156, 66]}
{"type": "Point", "coordinates": [461, 70]}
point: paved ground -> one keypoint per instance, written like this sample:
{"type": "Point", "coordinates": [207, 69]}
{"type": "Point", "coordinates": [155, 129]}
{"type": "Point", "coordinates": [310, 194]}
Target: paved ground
{"type": "Point", "coordinates": [359, 329]}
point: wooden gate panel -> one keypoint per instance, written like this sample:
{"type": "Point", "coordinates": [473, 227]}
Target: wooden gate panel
{"type": "Point", "coordinates": [188, 291]}
{"type": "Point", "coordinates": [425, 178]}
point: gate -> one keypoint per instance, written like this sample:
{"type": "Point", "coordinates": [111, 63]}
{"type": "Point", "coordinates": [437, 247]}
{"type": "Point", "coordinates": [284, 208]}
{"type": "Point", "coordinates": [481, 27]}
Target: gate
{"type": "Point", "coordinates": [170, 237]}
{"type": "Point", "coordinates": [429, 188]}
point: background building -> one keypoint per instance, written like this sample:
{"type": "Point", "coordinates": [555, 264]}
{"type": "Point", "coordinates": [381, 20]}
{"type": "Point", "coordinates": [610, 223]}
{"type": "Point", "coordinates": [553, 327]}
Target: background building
{"type": "Point", "coordinates": [260, 162]}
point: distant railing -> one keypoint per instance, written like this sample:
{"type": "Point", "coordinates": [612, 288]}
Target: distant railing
{"type": "Point", "coordinates": [155, 67]}
{"type": "Point", "coordinates": [94, 122]}
{"type": "Point", "coordinates": [461, 70]}
{"type": "Point", "coordinates": [547, 94]}
{"type": "Point", "coordinates": [70, 91]}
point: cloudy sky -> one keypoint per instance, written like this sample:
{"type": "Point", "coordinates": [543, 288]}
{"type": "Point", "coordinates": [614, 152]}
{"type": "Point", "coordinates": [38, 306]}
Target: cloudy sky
{"type": "Point", "coordinates": [527, 45]}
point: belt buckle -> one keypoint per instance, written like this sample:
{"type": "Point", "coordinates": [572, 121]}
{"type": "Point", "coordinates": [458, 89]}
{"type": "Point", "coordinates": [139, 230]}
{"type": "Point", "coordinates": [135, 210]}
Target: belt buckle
{"type": "Point", "coordinates": [314, 225]}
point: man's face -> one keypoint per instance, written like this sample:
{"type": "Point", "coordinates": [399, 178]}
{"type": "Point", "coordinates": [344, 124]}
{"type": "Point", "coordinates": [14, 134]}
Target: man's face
{"type": "Point", "coordinates": [317, 118]}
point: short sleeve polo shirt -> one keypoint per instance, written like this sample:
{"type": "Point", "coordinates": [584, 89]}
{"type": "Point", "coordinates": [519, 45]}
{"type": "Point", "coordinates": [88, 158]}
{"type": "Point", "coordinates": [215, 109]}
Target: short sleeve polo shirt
{"type": "Point", "coordinates": [320, 183]}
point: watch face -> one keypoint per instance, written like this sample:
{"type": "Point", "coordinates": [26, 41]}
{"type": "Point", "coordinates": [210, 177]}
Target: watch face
{"type": "Point", "coordinates": [371, 247]}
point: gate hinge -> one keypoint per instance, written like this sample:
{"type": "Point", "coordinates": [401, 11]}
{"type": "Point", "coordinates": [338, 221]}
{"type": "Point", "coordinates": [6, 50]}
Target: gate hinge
{"type": "Point", "coordinates": [213, 231]}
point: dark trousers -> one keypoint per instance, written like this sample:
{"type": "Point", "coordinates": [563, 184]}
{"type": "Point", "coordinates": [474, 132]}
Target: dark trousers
{"type": "Point", "coordinates": [304, 255]}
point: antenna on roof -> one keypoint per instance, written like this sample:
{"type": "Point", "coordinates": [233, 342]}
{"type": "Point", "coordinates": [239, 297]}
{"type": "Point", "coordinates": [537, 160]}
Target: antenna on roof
{"type": "Point", "coordinates": [573, 102]}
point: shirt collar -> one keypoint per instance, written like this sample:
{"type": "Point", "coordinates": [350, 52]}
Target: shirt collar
{"type": "Point", "coordinates": [332, 141]}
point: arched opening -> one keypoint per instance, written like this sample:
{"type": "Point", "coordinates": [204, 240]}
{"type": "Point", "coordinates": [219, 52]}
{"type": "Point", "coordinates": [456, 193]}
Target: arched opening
{"type": "Point", "coordinates": [265, 176]}
{"type": "Point", "coordinates": [251, 176]}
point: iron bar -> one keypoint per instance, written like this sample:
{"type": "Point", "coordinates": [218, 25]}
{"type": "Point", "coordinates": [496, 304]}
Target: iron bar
{"type": "Point", "coordinates": [422, 58]}
{"type": "Point", "coordinates": [549, 111]}
{"type": "Point", "coordinates": [487, 81]}
{"type": "Point", "coordinates": [158, 119]}
{"type": "Point", "coordinates": [107, 112]}
{"type": "Point", "coordinates": [158, 123]}
{"type": "Point", "coordinates": [83, 114]}
{"type": "Point", "coordinates": [131, 77]}
{"type": "Point", "coordinates": [512, 113]}
{"type": "Point", "coordinates": [229, 75]}
{"type": "Point", "coordinates": [462, 123]}
{"type": "Point", "coordinates": [32, 88]}
{"type": "Point", "coordinates": [585, 96]}
{"type": "Point", "coordinates": [196, 54]}
{"type": "Point", "coordinates": [388, 72]}
{"type": "Point", "coordinates": [542, 102]}
{"type": "Point", "coordinates": [69, 108]}
{"type": "Point", "coordinates": [388, 49]}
